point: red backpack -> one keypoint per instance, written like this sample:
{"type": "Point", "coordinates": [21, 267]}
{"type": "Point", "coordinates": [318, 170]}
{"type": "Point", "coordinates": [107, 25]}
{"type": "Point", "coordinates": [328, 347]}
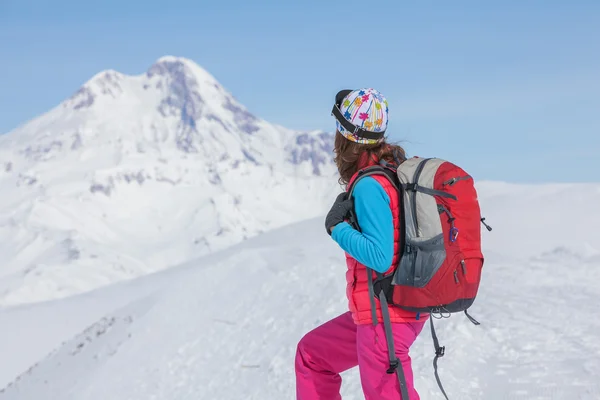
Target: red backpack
{"type": "Point", "coordinates": [439, 271]}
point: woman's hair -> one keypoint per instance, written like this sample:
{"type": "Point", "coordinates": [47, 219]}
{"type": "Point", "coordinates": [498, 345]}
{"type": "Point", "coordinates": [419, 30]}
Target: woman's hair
{"type": "Point", "coordinates": [351, 156]}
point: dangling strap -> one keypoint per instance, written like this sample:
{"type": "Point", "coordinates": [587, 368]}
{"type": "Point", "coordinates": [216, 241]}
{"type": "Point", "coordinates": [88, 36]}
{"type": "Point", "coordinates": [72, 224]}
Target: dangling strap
{"type": "Point", "coordinates": [473, 320]}
{"type": "Point", "coordinates": [439, 352]}
{"type": "Point", "coordinates": [372, 297]}
{"type": "Point", "coordinates": [394, 362]}
{"type": "Point", "coordinates": [395, 365]}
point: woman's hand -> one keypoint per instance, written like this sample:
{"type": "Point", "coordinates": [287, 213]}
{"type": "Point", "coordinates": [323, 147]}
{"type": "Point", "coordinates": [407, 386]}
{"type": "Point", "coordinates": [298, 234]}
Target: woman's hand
{"type": "Point", "coordinates": [339, 211]}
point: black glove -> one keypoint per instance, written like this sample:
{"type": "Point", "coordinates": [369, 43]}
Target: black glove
{"type": "Point", "coordinates": [339, 211]}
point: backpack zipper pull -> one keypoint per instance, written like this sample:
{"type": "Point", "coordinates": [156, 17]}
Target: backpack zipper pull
{"type": "Point", "coordinates": [489, 228]}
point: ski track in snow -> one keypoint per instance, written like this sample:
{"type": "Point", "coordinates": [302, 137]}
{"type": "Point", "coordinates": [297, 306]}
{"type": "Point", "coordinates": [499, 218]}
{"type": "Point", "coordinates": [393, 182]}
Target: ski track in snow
{"type": "Point", "coordinates": [226, 326]}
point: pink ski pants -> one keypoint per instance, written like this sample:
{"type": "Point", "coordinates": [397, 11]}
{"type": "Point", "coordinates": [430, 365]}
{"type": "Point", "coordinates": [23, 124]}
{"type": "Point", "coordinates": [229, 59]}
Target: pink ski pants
{"type": "Point", "coordinates": [339, 345]}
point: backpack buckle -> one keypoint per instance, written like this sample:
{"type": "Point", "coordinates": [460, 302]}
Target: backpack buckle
{"type": "Point", "coordinates": [453, 234]}
{"type": "Point", "coordinates": [440, 351]}
{"type": "Point", "coordinates": [393, 366]}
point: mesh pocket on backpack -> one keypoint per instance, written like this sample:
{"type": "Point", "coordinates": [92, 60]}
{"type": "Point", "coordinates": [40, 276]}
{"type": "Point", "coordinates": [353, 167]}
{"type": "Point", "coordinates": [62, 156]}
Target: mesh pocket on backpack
{"type": "Point", "coordinates": [420, 261]}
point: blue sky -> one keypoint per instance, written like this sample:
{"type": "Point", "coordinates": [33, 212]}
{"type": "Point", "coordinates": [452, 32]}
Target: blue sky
{"type": "Point", "coordinates": [508, 89]}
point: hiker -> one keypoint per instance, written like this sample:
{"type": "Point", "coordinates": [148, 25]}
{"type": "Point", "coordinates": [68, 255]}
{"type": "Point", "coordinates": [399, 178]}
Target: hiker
{"type": "Point", "coordinates": [354, 338]}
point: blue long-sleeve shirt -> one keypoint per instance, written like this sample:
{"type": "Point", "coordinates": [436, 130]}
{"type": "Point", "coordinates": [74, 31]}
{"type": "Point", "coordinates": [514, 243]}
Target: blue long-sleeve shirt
{"type": "Point", "coordinates": [374, 245]}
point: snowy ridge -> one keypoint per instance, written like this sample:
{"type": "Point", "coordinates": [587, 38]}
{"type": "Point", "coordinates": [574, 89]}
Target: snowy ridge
{"type": "Point", "coordinates": [133, 174]}
{"type": "Point", "coordinates": [177, 334]}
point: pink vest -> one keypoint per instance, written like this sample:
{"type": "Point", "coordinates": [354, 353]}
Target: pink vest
{"type": "Point", "coordinates": [357, 289]}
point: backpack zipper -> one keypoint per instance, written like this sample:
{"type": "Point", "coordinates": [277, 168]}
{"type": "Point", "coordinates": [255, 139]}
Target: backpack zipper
{"type": "Point", "coordinates": [456, 277]}
{"type": "Point", "coordinates": [452, 181]}
{"type": "Point", "coordinates": [489, 228]}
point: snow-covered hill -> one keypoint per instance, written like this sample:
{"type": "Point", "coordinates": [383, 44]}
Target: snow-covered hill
{"type": "Point", "coordinates": [225, 326]}
{"type": "Point", "coordinates": [134, 174]}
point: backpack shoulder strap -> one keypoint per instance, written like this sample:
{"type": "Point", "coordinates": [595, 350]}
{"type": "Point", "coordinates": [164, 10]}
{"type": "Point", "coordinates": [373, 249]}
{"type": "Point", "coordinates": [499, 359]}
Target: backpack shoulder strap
{"type": "Point", "coordinates": [386, 171]}
{"type": "Point", "coordinates": [394, 364]}
{"type": "Point", "coordinates": [381, 170]}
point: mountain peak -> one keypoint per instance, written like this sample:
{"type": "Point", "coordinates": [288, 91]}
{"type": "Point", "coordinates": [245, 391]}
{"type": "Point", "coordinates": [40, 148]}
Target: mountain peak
{"type": "Point", "coordinates": [193, 93]}
{"type": "Point", "coordinates": [178, 67]}
{"type": "Point", "coordinates": [179, 80]}
{"type": "Point", "coordinates": [175, 59]}
{"type": "Point", "coordinates": [105, 83]}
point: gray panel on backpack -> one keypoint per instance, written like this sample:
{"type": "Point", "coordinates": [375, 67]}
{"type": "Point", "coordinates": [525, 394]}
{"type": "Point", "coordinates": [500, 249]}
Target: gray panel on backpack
{"type": "Point", "coordinates": [424, 250]}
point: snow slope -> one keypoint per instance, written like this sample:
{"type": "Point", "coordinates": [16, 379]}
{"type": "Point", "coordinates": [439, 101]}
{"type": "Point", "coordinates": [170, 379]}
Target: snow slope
{"type": "Point", "coordinates": [225, 326]}
{"type": "Point", "coordinates": [134, 174]}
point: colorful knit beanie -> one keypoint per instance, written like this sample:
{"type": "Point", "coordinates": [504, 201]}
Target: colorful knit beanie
{"type": "Point", "coordinates": [361, 115]}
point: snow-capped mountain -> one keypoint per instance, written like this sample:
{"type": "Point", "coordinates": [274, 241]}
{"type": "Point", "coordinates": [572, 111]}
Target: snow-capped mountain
{"type": "Point", "coordinates": [133, 174]}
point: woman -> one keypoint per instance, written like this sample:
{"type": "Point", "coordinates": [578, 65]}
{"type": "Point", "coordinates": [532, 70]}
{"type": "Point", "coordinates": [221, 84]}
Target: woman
{"type": "Point", "coordinates": [354, 338]}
